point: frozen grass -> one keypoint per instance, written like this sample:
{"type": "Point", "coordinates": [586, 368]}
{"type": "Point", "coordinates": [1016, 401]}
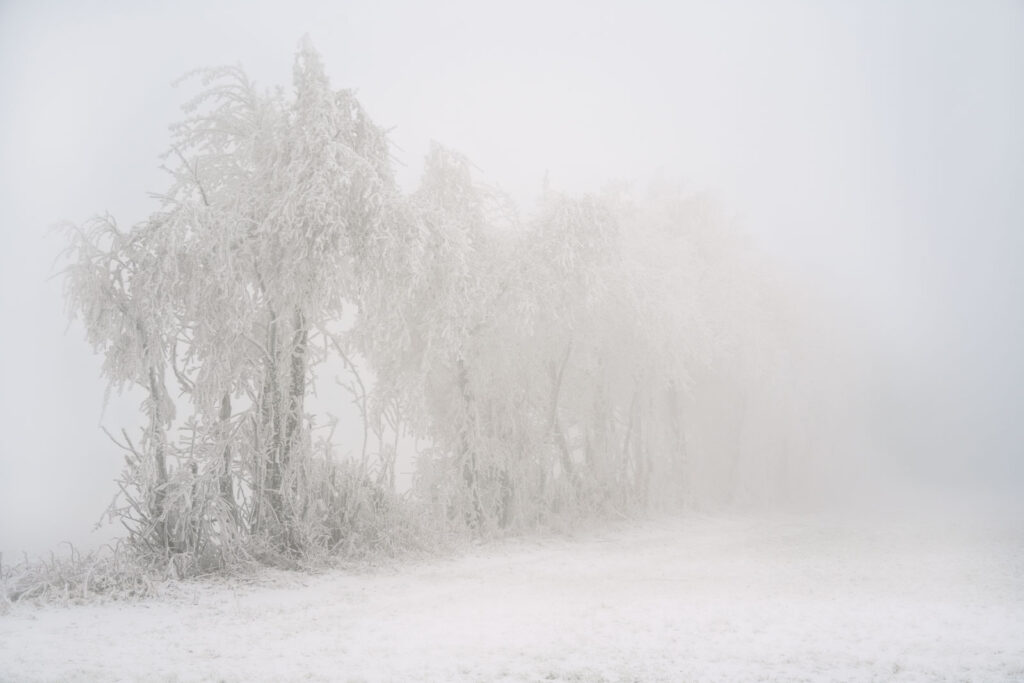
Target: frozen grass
{"type": "Point", "coordinates": [680, 599]}
{"type": "Point", "coordinates": [112, 572]}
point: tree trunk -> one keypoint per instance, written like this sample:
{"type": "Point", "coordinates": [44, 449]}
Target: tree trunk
{"type": "Point", "coordinates": [268, 467]}
{"type": "Point", "coordinates": [297, 387]}
{"type": "Point", "coordinates": [295, 416]}
{"type": "Point", "coordinates": [557, 372]}
{"type": "Point", "coordinates": [156, 438]}
{"type": "Point", "coordinates": [470, 466]}
{"type": "Point", "coordinates": [281, 414]}
{"type": "Point", "coordinates": [227, 491]}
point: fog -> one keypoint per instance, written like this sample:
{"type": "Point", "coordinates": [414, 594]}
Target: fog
{"type": "Point", "coordinates": [873, 150]}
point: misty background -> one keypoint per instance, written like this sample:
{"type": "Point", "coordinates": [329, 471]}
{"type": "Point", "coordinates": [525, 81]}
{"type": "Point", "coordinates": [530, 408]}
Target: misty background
{"type": "Point", "coordinates": [874, 151]}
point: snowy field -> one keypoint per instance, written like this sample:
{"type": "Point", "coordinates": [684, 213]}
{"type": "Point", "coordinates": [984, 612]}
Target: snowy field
{"type": "Point", "coordinates": [681, 599]}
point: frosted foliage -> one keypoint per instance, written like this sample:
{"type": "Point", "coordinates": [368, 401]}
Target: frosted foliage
{"type": "Point", "coordinates": [600, 354]}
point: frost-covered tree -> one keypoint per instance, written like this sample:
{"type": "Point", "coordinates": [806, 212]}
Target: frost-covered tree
{"type": "Point", "coordinates": [233, 285]}
{"type": "Point", "coordinates": [425, 322]}
{"type": "Point", "coordinates": [112, 285]}
{"type": "Point", "coordinates": [294, 192]}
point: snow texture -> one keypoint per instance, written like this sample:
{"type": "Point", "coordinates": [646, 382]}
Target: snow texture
{"type": "Point", "coordinates": [682, 599]}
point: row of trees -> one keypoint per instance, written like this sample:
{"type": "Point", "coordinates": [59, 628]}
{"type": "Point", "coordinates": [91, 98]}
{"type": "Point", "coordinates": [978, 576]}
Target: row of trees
{"type": "Point", "coordinates": [602, 354]}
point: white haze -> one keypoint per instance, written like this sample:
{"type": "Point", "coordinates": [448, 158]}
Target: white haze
{"type": "Point", "coordinates": [873, 149]}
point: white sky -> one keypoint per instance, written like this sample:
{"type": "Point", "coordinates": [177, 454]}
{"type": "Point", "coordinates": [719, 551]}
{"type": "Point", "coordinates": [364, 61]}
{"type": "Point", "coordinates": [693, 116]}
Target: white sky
{"type": "Point", "coordinates": [875, 146]}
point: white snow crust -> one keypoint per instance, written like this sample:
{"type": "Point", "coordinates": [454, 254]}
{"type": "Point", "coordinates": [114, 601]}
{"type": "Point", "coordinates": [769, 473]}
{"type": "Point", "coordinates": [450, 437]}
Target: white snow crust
{"type": "Point", "coordinates": [696, 598]}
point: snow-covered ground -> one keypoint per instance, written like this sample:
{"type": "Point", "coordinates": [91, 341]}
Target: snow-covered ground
{"type": "Point", "coordinates": [683, 599]}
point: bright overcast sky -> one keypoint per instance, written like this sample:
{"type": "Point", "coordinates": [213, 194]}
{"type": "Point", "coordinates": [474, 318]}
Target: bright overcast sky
{"type": "Point", "coordinates": [875, 146]}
